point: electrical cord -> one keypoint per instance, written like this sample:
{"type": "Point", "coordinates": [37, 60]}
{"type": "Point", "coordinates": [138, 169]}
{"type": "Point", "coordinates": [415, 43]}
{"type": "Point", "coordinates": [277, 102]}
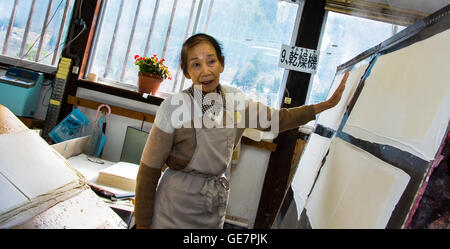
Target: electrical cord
{"type": "Point", "coordinates": [34, 43]}
{"type": "Point", "coordinates": [70, 42]}
{"type": "Point", "coordinates": [79, 22]}
{"type": "Point", "coordinates": [52, 85]}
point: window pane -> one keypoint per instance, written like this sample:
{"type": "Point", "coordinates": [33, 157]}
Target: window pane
{"type": "Point", "coordinates": [140, 36]}
{"type": "Point", "coordinates": [52, 33]}
{"type": "Point", "coordinates": [64, 40]}
{"type": "Point", "coordinates": [251, 32]}
{"type": "Point", "coordinates": [37, 24]}
{"type": "Point", "coordinates": [17, 32]}
{"type": "Point", "coordinates": [139, 40]}
{"type": "Point", "coordinates": [5, 13]}
{"type": "Point", "coordinates": [180, 32]}
{"type": "Point", "coordinates": [104, 35]}
{"type": "Point", "coordinates": [34, 33]}
{"type": "Point", "coordinates": [123, 31]}
{"type": "Point", "coordinates": [344, 38]}
{"type": "Point", "coordinates": [38, 16]}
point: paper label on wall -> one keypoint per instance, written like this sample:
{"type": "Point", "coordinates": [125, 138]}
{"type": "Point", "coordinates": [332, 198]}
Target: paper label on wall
{"type": "Point", "coordinates": [63, 68]}
{"type": "Point", "coordinates": [298, 59]}
{"type": "Point", "coordinates": [54, 102]}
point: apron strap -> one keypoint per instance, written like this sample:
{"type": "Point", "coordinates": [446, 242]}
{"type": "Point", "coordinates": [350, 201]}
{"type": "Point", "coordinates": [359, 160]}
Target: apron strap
{"type": "Point", "coordinates": [216, 186]}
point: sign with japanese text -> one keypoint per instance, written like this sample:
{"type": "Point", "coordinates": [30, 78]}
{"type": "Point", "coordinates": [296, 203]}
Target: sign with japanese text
{"type": "Point", "coordinates": [298, 59]}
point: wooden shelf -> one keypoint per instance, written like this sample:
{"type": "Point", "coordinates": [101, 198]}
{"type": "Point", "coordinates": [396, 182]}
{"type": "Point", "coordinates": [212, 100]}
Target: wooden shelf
{"type": "Point", "coordinates": [114, 109]}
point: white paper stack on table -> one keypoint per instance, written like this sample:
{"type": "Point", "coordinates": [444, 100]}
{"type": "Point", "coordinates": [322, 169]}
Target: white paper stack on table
{"type": "Point", "coordinates": [104, 175]}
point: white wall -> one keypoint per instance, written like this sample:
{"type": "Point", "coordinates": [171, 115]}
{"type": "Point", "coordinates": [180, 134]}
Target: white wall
{"type": "Point", "coordinates": [115, 125]}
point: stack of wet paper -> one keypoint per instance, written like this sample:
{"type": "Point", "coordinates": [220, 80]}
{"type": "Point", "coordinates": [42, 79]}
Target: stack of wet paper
{"type": "Point", "coordinates": [33, 178]}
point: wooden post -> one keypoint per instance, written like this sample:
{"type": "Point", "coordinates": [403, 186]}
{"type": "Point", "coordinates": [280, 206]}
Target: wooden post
{"type": "Point", "coordinates": [278, 170]}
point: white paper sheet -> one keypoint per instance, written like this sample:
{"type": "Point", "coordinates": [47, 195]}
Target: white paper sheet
{"type": "Point", "coordinates": [332, 118]}
{"type": "Point", "coordinates": [10, 195]}
{"type": "Point", "coordinates": [308, 167]}
{"type": "Point", "coordinates": [354, 189]}
{"type": "Point", "coordinates": [31, 165]}
{"type": "Point", "coordinates": [406, 98]}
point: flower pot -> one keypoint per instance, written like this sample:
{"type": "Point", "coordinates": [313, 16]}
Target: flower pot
{"type": "Point", "coordinates": [149, 83]}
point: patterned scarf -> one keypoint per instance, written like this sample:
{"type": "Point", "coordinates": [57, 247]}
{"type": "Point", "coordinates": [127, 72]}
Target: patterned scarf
{"type": "Point", "coordinates": [215, 106]}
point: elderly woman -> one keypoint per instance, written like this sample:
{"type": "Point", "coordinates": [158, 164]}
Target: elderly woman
{"type": "Point", "coordinates": [193, 191]}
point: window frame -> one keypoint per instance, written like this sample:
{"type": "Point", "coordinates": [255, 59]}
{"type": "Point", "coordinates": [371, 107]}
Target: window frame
{"type": "Point", "coordinates": [121, 85]}
{"type": "Point", "coordinates": [36, 64]}
{"type": "Point", "coordinates": [375, 11]}
{"type": "Point", "coordinates": [357, 55]}
{"type": "Point", "coordinates": [124, 89]}
{"type": "Point", "coordinates": [84, 82]}
{"type": "Point", "coordinates": [311, 80]}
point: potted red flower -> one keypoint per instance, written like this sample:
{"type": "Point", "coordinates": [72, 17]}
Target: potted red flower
{"type": "Point", "coordinates": [151, 73]}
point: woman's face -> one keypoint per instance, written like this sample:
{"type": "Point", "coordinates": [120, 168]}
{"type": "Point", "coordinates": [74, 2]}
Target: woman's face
{"type": "Point", "coordinates": [203, 67]}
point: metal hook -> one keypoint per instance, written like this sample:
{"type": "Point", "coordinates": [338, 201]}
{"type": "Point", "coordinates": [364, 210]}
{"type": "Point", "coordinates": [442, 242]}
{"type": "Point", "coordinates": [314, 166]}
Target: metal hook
{"type": "Point", "coordinates": [100, 107]}
{"type": "Point", "coordinates": [142, 124]}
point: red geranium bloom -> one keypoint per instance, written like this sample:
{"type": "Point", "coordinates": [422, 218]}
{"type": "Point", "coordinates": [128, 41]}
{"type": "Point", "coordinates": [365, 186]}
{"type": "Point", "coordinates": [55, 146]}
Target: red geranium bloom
{"type": "Point", "coordinates": [152, 65]}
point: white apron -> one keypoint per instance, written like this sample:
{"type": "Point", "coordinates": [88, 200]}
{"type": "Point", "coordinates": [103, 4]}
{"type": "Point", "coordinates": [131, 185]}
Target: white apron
{"type": "Point", "coordinates": [197, 196]}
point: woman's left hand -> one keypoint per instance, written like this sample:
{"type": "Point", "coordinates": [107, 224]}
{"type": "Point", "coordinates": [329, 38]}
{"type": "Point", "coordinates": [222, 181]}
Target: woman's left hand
{"type": "Point", "coordinates": [334, 99]}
